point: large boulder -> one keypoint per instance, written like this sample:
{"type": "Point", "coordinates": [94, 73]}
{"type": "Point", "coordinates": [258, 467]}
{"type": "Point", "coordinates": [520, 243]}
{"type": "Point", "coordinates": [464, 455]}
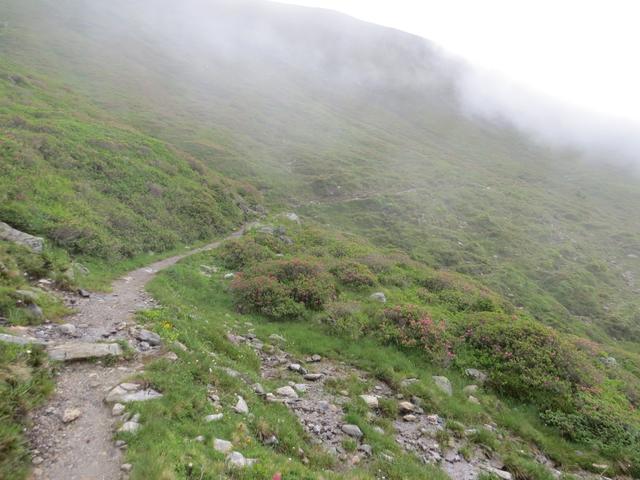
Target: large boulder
{"type": "Point", "coordinates": [10, 234]}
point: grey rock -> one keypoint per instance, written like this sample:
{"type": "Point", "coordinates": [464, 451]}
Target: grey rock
{"type": "Point", "coordinates": [67, 329]}
{"type": "Point", "coordinates": [352, 430]}
{"type": "Point", "coordinates": [259, 389]}
{"type": "Point", "coordinates": [241, 406]}
{"type": "Point", "coordinates": [473, 400]}
{"type": "Point", "coordinates": [370, 400]}
{"type": "Point", "coordinates": [150, 337]}
{"type": "Point", "coordinates": [610, 362]}
{"type": "Point", "coordinates": [35, 310]}
{"type": "Point", "coordinates": [131, 392]}
{"type": "Point", "coordinates": [408, 381]}
{"type": "Point", "coordinates": [222, 446]}
{"type": "Point", "coordinates": [476, 374]}
{"type": "Point", "coordinates": [379, 297]}
{"type": "Point", "coordinates": [126, 467]}
{"type": "Point", "coordinates": [26, 296]}
{"type": "Point", "coordinates": [443, 384]}
{"type": "Point", "coordinates": [10, 234]}
{"type": "Point", "coordinates": [300, 387]}
{"type": "Point", "coordinates": [129, 427]}
{"type": "Point", "coordinates": [295, 367]}
{"type": "Point", "coordinates": [199, 439]}
{"type": "Point", "coordinates": [287, 391]}
{"type": "Point", "coordinates": [20, 340]}
{"type": "Point", "coordinates": [229, 276]}
{"type": "Point", "coordinates": [313, 377]}
{"type": "Point", "coordinates": [214, 417]}
{"type": "Point", "coordinates": [406, 407]}
{"type": "Point", "coordinates": [470, 389]}
{"type": "Point", "coordinates": [71, 414]}
{"type": "Point", "coordinates": [117, 410]}
{"type": "Point", "coordinates": [276, 338]}
{"type": "Point", "coordinates": [272, 440]}
{"type": "Point", "coordinates": [83, 293]}
{"type": "Point", "coordinates": [379, 430]}
{"type": "Point", "coordinates": [316, 358]}
{"type": "Point", "coordinates": [498, 473]}
{"type": "Point", "coordinates": [366, 449]}
{"type": "Point", "coordinates": [237, 460]}
{"type": "Point", "coordinates": [81, 351]}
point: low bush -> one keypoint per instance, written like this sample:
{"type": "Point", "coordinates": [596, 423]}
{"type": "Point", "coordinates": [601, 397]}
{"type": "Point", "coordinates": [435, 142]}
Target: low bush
{"type": "Point", "coordinates": [283, 289]}
{"type": "Point", "coordinates": [410, 326]}
{"type": "Point", "coordinates": [237, 254]}
{"type": "Point", "coordinates": [265, 295]}
{"type": "Point", "coordinates": [353, 274]}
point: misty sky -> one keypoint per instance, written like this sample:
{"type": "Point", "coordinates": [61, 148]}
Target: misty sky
{"type": "Point", "coordinates": [581, 52]}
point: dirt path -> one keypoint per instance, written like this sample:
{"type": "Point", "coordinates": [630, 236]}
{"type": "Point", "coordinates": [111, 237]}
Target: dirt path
{"type": "Point", "coordinates": [83, 449]}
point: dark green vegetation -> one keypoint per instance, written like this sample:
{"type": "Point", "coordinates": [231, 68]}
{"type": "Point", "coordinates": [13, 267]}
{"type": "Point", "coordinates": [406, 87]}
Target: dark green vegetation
{"type": "Point", "coordinates": [124, 135]}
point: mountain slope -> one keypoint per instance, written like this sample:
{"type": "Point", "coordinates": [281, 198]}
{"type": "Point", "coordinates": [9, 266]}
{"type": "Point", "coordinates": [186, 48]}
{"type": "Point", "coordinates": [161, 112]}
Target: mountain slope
{"type": "Point", "coordinates": [316, 108]}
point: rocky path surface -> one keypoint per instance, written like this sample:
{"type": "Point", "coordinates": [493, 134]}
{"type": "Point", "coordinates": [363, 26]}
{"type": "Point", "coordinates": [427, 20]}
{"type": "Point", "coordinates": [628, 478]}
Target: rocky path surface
{"type": "Point", "coordinates": [72, 436]}
{"type": "Point", "coordinates": [308, 388]}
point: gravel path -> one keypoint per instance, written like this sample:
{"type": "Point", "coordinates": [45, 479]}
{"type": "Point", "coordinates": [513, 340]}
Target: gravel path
{"type": "Point", "coordinates": [83, 448]}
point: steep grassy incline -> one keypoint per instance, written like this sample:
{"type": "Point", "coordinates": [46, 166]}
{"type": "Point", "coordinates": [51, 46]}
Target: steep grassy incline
{"type": "Point", "coordinates": [96, 187]}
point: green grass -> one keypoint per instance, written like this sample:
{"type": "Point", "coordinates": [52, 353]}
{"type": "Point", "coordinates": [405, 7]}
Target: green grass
{"type": "Point", "coordinates": [25, 381]}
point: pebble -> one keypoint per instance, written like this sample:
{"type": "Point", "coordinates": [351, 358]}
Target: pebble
{"type": "Point", "coordinates": [313, 377]}
{"type": "Point", "coordinates": [117, 410]}
{"type": "Point", "coordinates": [126, 467]}
{"type": "Point", "coordinates": [71, 414]}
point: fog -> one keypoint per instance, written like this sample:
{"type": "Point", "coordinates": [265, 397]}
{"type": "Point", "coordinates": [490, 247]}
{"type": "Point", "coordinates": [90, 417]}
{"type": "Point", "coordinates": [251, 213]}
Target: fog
{"type": "Point", "coordinates": [213, 51]}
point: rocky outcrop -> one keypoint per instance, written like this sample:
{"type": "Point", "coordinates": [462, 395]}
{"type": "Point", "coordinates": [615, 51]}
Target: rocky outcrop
{"type": "Point", "coordinates": [10, 234]}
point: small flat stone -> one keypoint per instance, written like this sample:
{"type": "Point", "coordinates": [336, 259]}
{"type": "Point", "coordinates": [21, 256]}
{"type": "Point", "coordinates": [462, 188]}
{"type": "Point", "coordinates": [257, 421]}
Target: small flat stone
{"type": "Point", "coordinates": [287, 391]}
{"type": "Point", "coordinates": [370, 400]}
{"type": "Point", "coordinates": [222, 446]}
{"type": "Point", "coordinates": [313, 377]}
{"type": "Point", "coordinates": [120, 394]}
{"type": "Point", "coordinates": [352, 430]}
{"type": "Point", "coordinates": [129, 427]}
{"type": "Point", "coordinates": [126, 467]}
{"type": "Point", "coordinates": [150, 337]}
{"type": "Point", "coordinates": [213, 418]}
{"type": "Point", "coordinates": [81, 351]}
{"type": "Point", "coordinates": [406, 407]}
{"type": "Point", "coordinates": [20, 340]}
{"type": "Point", "coordinates": [71, 414]}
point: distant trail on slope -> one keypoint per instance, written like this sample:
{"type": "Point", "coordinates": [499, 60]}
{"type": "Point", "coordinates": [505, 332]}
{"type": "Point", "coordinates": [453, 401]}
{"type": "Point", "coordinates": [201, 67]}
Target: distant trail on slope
{"type": "Point", "coordinates": [84, 448]}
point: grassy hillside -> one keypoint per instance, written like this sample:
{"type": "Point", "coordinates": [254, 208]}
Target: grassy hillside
{"type": "Point", "coordinates": [315, 293]}
{"type": "Point", "coordinates": [364, 131]}
{"type": "Point", "coordinates": [128, 131]}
